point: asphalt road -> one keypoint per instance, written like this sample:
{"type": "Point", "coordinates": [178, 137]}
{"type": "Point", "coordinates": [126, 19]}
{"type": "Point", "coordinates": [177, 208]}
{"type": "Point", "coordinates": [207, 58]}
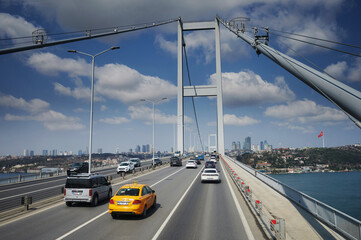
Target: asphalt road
{"type": "Point", "coordinates": [10, 195]}
{"type": "Point", "coordinates": [186, 209]}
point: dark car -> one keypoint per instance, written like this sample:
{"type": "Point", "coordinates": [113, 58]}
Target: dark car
{"type": "Point", "coordinates": [157, 162]}
{"type": "Point", "coordinates": [198, 161]}
{"type": "Point", "coordinates": [175, 161]}
{"type": "Point", "coordinates": [210, 164]}
{"type": "Point", "coordinates": [80, 167]}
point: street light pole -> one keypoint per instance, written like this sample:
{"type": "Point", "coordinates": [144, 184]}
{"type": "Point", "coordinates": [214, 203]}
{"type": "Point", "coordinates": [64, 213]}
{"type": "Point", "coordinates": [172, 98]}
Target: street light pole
{"type": "Point", "coordinates": [92, 99]}
{"type": "Point", "coordinates": [153, 102]}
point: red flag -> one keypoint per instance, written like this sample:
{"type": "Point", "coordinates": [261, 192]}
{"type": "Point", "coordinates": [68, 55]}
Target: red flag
{"type": "Point", "coordinates": [321, 134]}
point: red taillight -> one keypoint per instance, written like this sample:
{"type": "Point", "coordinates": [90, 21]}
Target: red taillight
{"type": "Point", "coordinates": [111, 201]}
{"type": "Point", "coordinates": [137, 202]}
{"type": "Point", "coordinates": [64, 192]}
{"type": "Point", "coordinates": [90, 193]}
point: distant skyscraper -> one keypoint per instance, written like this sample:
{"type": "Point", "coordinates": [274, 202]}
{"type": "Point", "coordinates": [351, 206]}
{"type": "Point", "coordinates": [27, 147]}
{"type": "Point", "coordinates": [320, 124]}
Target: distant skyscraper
{"type": "Point", "coordinates": [137, 149]}
{"type": "Point", "coordinates": [130, 150]}
{"type": "Point", "coordinates": [147, 148]}
{"type": "Point", "coordinates": [144, 148]}
{"type": "Point", "coordinates": [45, 152]}
{"type": "Point", "coordinates": [261, 146]}
{"type": "Point", "coordinates": [80, 152]}
{"type": "Point", "coordinates": [31, 153]}
{"type": "Point", "coordinates": [234, 146]}
{"type": "Point", "coordinates": [26, 152]}
{"type": "Point", "coordinates": [117, 150]}
{"type": "Point", "coordinates": [247, 145]}
{"type": "Point", "coordinates": [100, 150]}
{"type": "Point", "coordinates": [54, 152]}
{"type": "Point", "coordinates": [238, 145]}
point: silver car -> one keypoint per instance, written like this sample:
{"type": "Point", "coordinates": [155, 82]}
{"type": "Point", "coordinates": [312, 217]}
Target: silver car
{"type": "Point", "coordinates": [85, 188]}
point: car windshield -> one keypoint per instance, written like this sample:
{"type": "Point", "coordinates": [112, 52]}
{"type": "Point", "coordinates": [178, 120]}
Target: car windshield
{"type": "Point", "coordinates": [210, 171]}
{"type": "Point", "coordinates": [190, 161]}
{"type": "Point", "coordinates": [78, 183]}
{"type": "Point", "coordinates": [124, 164]}
{"type": "Point", "coordinates": [76, 165]}
{"type": "Point", "coordinates": [128, 192]}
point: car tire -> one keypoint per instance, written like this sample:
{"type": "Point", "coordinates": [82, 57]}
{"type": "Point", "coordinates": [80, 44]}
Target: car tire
{"type": "Point", "coordinates": [69, 204]}
{"type": "Point", "coordinates": [155, 202]}
{"type": "Point", "coordinates": [110, 194]}
{"type": "Point", "coordinates": [144, 214]}
{"type": "Point", "coordinates": [114, 216]}
{"type": "Point", "coordinates": [95, 200]}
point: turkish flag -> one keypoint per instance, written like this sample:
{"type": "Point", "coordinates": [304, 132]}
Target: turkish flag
{"type": "Point", "coordinates": [321, 134]}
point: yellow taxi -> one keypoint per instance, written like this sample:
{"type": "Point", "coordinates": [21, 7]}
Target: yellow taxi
{"type": "Point", "coordinates": [133, 199]}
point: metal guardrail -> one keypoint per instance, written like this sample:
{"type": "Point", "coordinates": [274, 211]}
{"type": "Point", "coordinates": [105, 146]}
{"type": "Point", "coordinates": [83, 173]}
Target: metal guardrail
{"type": "Point", "coordinates": [337, 220]}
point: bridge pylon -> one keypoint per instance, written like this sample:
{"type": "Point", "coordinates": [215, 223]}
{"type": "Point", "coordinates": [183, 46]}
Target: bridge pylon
{"type": "Point", "coordinates": [203, 90]}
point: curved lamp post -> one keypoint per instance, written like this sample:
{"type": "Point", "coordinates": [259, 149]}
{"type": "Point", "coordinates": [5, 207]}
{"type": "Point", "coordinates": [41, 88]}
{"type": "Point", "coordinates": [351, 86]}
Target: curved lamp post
{"type": "Point", "coordinates": [153, 102]}
{"type": "Point", "coordinates": [92, 98]}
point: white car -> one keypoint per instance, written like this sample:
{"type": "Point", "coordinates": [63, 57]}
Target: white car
{"type": "Point", "coordinates": [213, 159]}
{"type": "Point", "coordinates": [125, 167]}
{"type": "Point", "coordinates": [191, 164]}
{"type": "Point", "coordinates": [210, 175]}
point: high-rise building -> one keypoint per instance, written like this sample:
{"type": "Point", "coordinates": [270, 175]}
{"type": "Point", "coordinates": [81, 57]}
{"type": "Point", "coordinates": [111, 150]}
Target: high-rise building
{"type": "Point", "coordinates": [137, 149]}
{"type": "Point", "coordinates": [144, 148]}
{"type": "Point", "coordinates": [261, 146]}
{"type": "Point", "coordinates": [238, 146]}
{"type": "Point", "coordinates": [117, 150]}
{"type": "Point", "coordinates": [26, 152]}
{"type": "Point", "coordinates": [234, 146]}
{"type": "Point", "coordinates": [247, 144]}
{"type": "Point", "coordinates": [54, 152]}
{"type": "Point", "coordinates": [130, 150]}
{"type": "Point", "coordinates": [80, 152]}
{"type": "Point", "coordinates": [148, 148]}
{"type": "Point", "coordinates": [45, 152]}
{"type": "Point", "coordinates": [31, 153]}
{"type": "Point", "coordinates": [100, 150]}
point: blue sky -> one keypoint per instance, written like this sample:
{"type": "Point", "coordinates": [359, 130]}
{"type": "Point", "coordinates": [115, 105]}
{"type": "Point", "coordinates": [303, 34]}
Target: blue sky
{"type": "Point", "coordinates": [45, 94]}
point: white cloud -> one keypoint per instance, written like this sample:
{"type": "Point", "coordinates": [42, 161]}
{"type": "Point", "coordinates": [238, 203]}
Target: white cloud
{"type": "Point", "coordinates": [34, 105]}
{"type": "Point", "coordinates": [306, 111]}
{"type": "Point", "coordinates": [52, 120]}
{"type": "Point", "coordinates": [114, 81]}
{"type": "Point", "coordinates": [15, 27]}
{"type": "Point", "coordinates": [344, 71]}
{"type": "Point", "coordinates": [354, 73]}
{"type": "Point", "coordinates": [39, 111]}
{"type": "Point", "coordinates": [248, 88]}
{"type": "Point", "coordinates": [115, 120]}
{"type": "Point", "coordinates": [201, 45]}
{"type": "Point", "coordinates": [231, 119]}
{"type": "Point", "coordinates": [291, 126]}
{"type": "Point", "coordinates": [50, 64]}
{"type": "Point", "coordinates": [146, 114]}
{"type": "Point", "coordinates": [122, 83]}
{"type": "Point", "coordinates": [337, 70]}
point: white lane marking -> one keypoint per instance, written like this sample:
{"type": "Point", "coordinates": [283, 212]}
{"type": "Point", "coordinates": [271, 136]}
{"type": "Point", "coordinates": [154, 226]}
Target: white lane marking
{"type": "Point", "coordinates": [239, 209]}
{"type": "Point", "coordinates": [84, 224]}
{"type": "Point", "coordinates": [107, 211]}
{"type": "Point", "coordinates": [174, 209]}
{"type": "Point", "coordinates": [31, 214]}
{"type": "Point", "coordinates": [39, 190]}
{"type": "Point", "coordinates": [167, 177]}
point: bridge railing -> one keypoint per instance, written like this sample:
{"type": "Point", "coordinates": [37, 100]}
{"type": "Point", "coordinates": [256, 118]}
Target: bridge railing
{"type": "Point", "coordinates": [341, 222]}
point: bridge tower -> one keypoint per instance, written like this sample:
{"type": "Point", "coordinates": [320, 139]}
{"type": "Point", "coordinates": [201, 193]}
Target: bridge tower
{"type": "Point", "coordinates": [203, 90]}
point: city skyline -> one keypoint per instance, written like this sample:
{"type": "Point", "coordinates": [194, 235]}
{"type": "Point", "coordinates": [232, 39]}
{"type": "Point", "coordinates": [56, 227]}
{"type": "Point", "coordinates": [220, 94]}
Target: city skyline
{"type": "Point", "coordinates": [45, 93]}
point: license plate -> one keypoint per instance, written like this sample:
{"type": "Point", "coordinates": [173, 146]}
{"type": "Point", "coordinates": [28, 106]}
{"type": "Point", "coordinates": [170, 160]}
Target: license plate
{"type": "Point", "coordinates": [123, 203]}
